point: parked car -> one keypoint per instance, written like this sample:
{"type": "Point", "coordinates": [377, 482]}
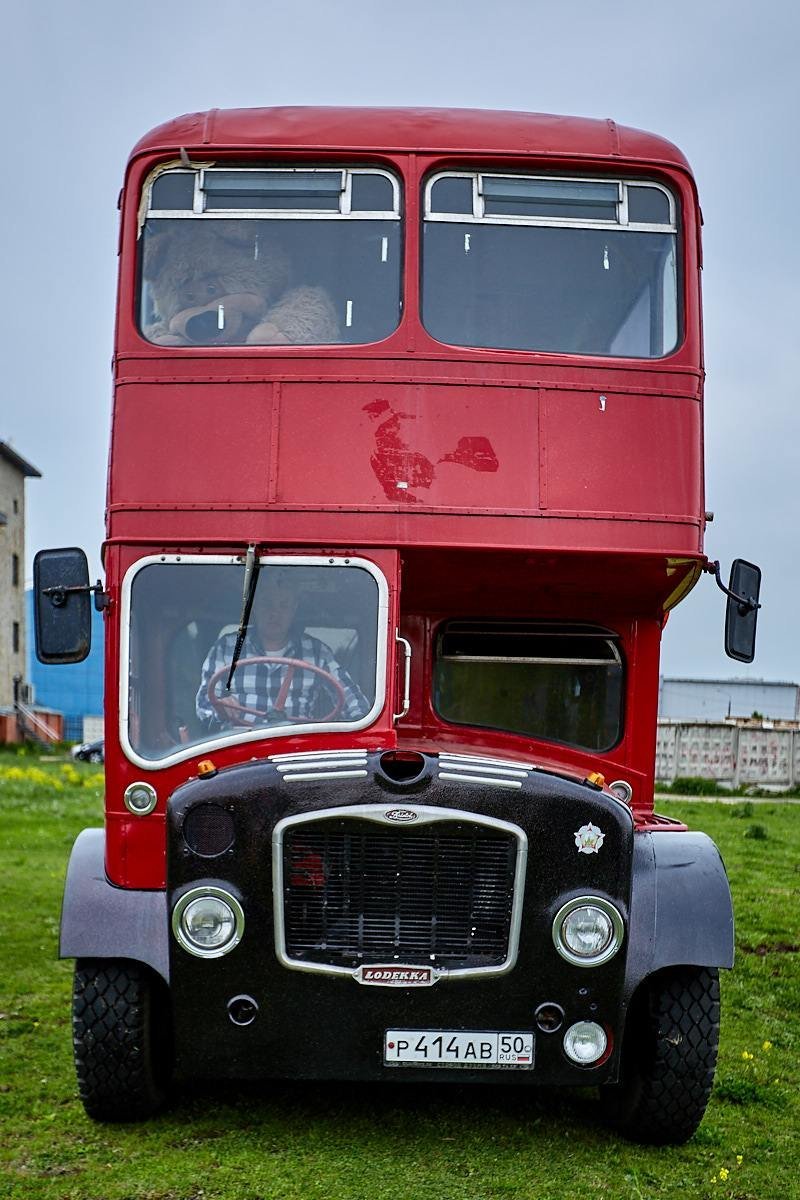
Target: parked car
{"type": "Point", "coordinates": [93, 752]}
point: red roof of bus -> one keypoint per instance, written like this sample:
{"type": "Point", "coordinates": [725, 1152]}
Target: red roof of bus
{"type": "Point", "coordinates": [436, 130]}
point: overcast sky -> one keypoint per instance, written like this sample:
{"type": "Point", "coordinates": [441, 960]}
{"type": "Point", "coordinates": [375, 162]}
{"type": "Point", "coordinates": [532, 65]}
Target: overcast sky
{"type": "Point", "coordinates": [81, 82]}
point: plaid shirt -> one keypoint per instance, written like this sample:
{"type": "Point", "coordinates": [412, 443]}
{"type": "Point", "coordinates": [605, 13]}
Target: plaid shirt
{"type": "Point", "coordinates": [258, 685]}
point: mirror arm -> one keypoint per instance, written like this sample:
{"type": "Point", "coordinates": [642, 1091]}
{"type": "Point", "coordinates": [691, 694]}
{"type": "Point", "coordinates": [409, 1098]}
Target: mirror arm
{"type": "Point", "coordinates": [746, 603]}
{"type": "Point", "coordinates": [58, 595]}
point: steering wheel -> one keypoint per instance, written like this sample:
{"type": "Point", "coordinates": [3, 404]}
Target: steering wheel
{"type": "Point", "coordinates": [227, 706]}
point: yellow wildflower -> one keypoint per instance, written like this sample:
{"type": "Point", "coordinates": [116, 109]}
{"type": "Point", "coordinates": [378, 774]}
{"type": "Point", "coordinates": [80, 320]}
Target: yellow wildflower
{"type": "Point", "coordinates": [723, 1173]}
{"type": "Point", "coordinates": [767, 1046]}
{"type": "Point", "coordinates": [739, 1160]}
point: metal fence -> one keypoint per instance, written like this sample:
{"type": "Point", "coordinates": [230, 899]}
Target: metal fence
{"type": "Point", "coordinates": [732, 752]}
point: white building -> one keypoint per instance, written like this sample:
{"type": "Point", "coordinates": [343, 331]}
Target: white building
{"type": "Point", "coordinates": [718, 699]}
{"type": "Point", "coordinates": [14, 470]}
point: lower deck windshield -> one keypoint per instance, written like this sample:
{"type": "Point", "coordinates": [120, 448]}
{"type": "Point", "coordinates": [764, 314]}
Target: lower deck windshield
{"type": "Point", "coordinates": [309, 659]}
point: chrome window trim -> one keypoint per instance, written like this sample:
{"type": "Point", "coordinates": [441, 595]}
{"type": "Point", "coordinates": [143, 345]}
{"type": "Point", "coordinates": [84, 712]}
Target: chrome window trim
{"type": "Point", "coordinates": [257, 734]}
{"type": "Point", "coordinates": [272, 214]}
{"type": "Point", "coordinates": [479, 217]}
{"type": "Point", "coordinates": [617, 935]}
{"type": "Point", "coordinates": [535, 661]}
{"type": "Point", "coordinates": [425, 815]}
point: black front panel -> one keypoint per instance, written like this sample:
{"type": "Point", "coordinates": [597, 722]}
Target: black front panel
{"type": "Point", "coordinates": [348, 885]}
{"type": "Point", "coordinates": [356, 892]}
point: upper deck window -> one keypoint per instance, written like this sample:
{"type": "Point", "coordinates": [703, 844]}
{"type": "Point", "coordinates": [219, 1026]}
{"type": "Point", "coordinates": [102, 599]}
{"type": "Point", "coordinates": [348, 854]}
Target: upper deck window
{"type": "Point", "coordinates": [569, 266]}
{"type": "Point", "coordinates": [270, 256]}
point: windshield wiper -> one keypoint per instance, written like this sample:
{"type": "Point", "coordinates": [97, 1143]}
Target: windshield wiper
{"type": "Point", "coordinates": [251, 569]}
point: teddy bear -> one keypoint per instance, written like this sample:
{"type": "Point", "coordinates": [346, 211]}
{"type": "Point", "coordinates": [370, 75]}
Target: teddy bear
{"type": "Point", "coordinates": [226, 283]}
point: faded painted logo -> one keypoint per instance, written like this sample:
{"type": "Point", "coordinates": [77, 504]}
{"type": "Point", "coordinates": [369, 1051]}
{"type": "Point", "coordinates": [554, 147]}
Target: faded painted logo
{"type": "Point", "coordinates": [589, 839]}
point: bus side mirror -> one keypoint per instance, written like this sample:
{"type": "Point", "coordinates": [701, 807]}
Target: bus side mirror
{"type": "Point", "coordinates": [62, 606]}
{"type": "Point", "coordinates": [742, 610]}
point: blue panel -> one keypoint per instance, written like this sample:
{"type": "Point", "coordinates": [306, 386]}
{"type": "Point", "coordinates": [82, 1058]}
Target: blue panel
{"type": "Point", "coordinates": [74, 689]}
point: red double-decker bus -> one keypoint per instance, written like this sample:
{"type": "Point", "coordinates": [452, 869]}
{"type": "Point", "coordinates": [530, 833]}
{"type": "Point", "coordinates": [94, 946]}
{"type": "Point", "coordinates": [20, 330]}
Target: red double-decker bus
{"type": "Point", "coordinates": [405, 476]}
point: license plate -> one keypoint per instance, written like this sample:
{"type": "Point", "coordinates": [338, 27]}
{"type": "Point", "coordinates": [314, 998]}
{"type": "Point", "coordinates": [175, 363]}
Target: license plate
{"type": "Point", "coordinates": [457, 1048]}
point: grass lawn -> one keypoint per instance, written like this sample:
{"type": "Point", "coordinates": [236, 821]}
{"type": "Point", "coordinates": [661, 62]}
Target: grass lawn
{"type": "Point", "coordinates": [283, 1141]}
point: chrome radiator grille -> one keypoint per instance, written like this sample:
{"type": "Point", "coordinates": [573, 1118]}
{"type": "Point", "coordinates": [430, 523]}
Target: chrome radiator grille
{"type": "Point", "coordinates": [356, 892]}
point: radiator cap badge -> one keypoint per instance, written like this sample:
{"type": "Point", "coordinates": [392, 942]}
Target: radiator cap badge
{"type": "Point", "coordinates": [589, 839]}
{"type": "Point", "coordinates": [394, 975]}
{"type": "Point", "coordinates": [400, 814]}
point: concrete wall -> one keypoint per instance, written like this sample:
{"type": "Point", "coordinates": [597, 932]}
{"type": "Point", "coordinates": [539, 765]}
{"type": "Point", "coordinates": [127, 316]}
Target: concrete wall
{"type": "Point", "coordinates": [12, 595]}
{"type": "Point", "coordinates": [732, 752]}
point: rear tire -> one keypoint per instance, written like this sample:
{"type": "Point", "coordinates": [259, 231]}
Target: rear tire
{"type": "Point", "coordinates": [121, 1039]}
{"type": "Point", "coordinates": [669, 1055]}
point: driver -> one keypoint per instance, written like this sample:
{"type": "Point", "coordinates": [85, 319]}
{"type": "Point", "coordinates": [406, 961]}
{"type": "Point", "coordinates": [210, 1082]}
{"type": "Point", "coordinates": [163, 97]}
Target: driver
{"type": "Point", "coordinates": [281, 693]}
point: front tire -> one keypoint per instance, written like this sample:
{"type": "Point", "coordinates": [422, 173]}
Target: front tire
{"type": "Point", "coordinates": [669, 1055]}
{"type": "Point", "coordinates": [121, 1040]}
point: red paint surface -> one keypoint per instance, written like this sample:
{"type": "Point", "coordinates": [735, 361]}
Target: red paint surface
{"type": "Point", "coordinates": [525, 496]}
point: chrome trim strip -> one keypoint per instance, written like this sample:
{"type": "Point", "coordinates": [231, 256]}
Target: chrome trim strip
{"type": "Point", "coordinates": [504, 771]}
{"type": "Point", "coordinates": [313, 764]}
{"type": "Point", "coordinates": [426, 815]}
{"type": "Point", "coordinates": [480, 758]}
{"type": "Point", "coordinates": [324, 775]}
{"type": "Point", "coordinates": [308, 754]}
{"type": "Point", "coordinates": [487, 779]}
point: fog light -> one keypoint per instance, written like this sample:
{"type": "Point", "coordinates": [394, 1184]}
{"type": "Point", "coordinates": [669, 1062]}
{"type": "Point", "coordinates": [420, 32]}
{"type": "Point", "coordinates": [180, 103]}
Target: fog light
{"type": "Point", "coordinates": [587, 931]}
{"type": "Point", "coordinates": [140, 798]}
{"type": "Point", "coordinates": [585, 1042]}
{"type": "Point", "coordinates": [549, 1017]}
{"type": "Point", "coordinates": [242, 1010]}
{"type": "Point", "coordinates": [208, 922]}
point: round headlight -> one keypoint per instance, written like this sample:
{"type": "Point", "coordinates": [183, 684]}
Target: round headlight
{"type": "Point", "coordinates": [585, 1042]}
{"type": "Point", "coordinates": [587, 931]}
{"type": "Point", "coordinates": [140, 798]}
{"type": "Point", "coordinates": [208, 922]}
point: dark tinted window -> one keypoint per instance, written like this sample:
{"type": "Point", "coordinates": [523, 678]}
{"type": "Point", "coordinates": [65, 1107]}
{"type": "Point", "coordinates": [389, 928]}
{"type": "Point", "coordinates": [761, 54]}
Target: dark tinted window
{"type": "Point", "coordinates": [648, 206]}
{"type": "Point", "coordinates": [556, 683]}
{"type": "Point", "coordinates": [371, 193]}
{"type": "Point", "coordinates": [290, 266]}
{"type": "Point", "coordinates": [452, 195]}
{"type": "Point", "coordinates": [173, 190]}
{"type": "Point", "coordinates": [540, 263]}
